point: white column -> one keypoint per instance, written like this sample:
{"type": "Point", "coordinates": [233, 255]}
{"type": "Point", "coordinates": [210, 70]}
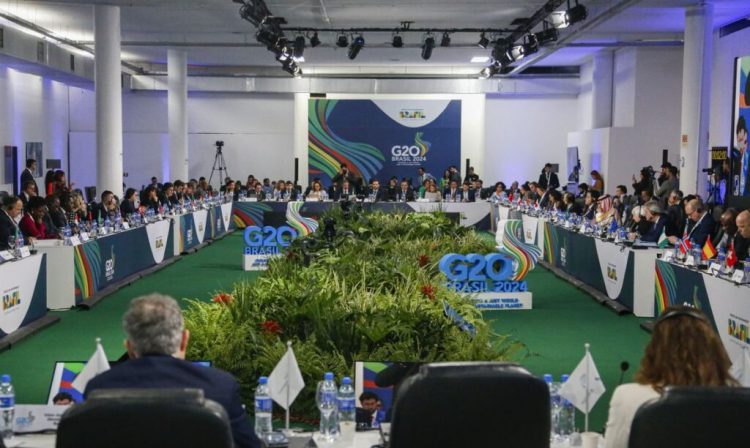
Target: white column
{"type": "Point", "coordinates": [301, 114]}
{"type": "Point", "coordinates": [108, 85]}
{"type": "Point", "coordinates": [177, 112]}
{"type": "Point", "coordinates": [601, 90]}
{"type": "Point", "coordinates": [696, 97]}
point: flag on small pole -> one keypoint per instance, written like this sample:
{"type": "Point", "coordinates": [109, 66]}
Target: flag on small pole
{"type": "Point", "coordinates": [663, 240]}
{"type": "Point", "coordinates": [709, 251]}
{"type": "Point", "coordinates": [286, 382]}
{"type": "Point", "coordinates": [96, 364]}
{"type": "Point", "coordinates": [584, 387]}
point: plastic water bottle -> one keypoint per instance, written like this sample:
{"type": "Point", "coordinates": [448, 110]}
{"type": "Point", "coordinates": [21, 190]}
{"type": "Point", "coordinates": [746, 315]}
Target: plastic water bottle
{"type": "Point", "coordinates": [676, 251]}
{"type": "Point", "coordinates": [554, 406]}
{"type": "Point", "coordinates": [567, 418]}
{"type": "Point", "coordinates": [697, 253]}
{"type": "Point", "coordinates": [263, 407]}
{"type": "Point", "coordinates": [721, 260]}
{"type": "Point", "coordinates": [747, 270]}
{"type": "Point", "coordinates": [7, 407]}
{"type": "Point", "coordinates": [347, 411]}
{"type": "Point", "coordinates": [327, 406]}
{"type": "Point", "coordinates": [19, 244]}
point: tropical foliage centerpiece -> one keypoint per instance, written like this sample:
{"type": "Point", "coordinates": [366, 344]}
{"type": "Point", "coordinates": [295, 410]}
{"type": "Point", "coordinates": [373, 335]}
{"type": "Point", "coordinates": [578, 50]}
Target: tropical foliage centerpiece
{"type": "Point", "coordinates": [372, 292]}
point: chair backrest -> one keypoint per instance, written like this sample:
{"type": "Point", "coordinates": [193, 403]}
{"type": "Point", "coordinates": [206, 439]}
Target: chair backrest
{"type": "Point", "coordinates": [471, 404]}
{"type": "Point", "coordinates": [165, 418]}
{"type": "Point", "coordinates": [687, 417]}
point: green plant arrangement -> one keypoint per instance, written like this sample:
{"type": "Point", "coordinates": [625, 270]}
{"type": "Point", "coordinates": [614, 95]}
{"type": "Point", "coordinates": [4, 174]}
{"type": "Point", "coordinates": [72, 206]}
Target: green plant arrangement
{"type": "Point", "coordinates": [372, 292]}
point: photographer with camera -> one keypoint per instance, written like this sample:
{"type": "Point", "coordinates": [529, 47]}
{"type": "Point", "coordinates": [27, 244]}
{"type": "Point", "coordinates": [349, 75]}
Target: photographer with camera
{"type": "Point", "coordinates": [345, 175]}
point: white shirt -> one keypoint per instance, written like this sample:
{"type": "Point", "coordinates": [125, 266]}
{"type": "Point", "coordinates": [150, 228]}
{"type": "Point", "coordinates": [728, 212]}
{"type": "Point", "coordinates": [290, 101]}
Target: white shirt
{"type": "Point", "coordinates": [625, 402]}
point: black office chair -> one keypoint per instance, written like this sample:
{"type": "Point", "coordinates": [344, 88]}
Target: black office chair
{"type": "Point", "coordinates": [688, 417]}
{"type": "Point", "coordinates": [471, 404]}
{"type": "Point", "coordinates": [164, 418]}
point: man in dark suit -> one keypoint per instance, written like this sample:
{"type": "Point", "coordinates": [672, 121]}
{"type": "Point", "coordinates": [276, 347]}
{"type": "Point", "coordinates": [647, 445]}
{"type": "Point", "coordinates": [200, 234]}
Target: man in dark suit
{"type": "Point", "coordinates": [12, 209]}
{"type": "Point", "coordinates": [727, 229]}
{"type": "Point", "coordinates": [28, 191]}
{"type": "Point", "coordinates": [700, 223]}
{"type": "Point", "coordinates": [452, 193]}
{"type": "Point", "coordinates": [404, 193]}
{"type": "Point", "coordinates": [346, 192]}
{"type": "Point", "coordinates": [467, 193]}
{"type": "Point", "coordinates": [377, 194]}
{"type": "Point", "coordinates": [548, 179]}
{"type": "Point", "coordinates": [156, 343]}
{"type": "Point", "coordinates": [742, 239]}
{"type": "Point", "coordinates": [28, 175]}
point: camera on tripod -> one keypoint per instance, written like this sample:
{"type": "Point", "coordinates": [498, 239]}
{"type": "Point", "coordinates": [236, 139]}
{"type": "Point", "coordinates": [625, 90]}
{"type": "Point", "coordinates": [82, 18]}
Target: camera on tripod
{"type": "Point", "coordinates": [219, 145]}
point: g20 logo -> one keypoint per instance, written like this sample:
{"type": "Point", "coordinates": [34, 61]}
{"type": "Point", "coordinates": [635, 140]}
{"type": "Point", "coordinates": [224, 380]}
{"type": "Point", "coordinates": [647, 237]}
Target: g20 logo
{"type": "Point", "coordinates": [269, 236]}
{"type": "Point", "coordinates": [476, 267]}
{"type": "Point", "coordinates": [406, 151]}
{"type": "Point", "coordinates": [480, 273]}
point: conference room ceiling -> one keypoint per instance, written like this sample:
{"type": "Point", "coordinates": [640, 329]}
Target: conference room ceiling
{"type": "Point", "coordinates": [214, 35]}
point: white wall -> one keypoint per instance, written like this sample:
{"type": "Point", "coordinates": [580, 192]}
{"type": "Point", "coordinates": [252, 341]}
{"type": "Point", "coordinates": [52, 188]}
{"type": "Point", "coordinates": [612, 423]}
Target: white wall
{"type": "Point", "coordinates": [646, 115]}
{"type": "Point", "coordinates": [33, 109]}
{"type": "Point", "coordinates": [523, 133]}
{"type": "Point", "coordinates": [726, 49]}
{"type": "Point", "coordinates": [257, 131]}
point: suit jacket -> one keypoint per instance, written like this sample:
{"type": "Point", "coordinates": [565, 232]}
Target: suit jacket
{"type": "Point", "coordinates": [655, 231]}
{"type": "Point", "coordinates": [554, 182]}
{"type": "Point", "coordinates": [165, 372]}
{"type": "Point", "coordinates": [8, 229]}
{"type": "Point", "coordinates": [27, 176]}
{"type": "Point", "coordinates": [468, 196]}
{"type": "Point", "coordinates": [741, 247]}
{"type": "Point", "coordinates": [32, 229]}
{"type": "Point", "coordinates": [127, 208]}
{"type": "Point", "coordinates": [380, 196]}
{"type": "Point", "coordinates": [700, 232]}
{"type": "Point", "coordinates": [409, 195]}
{"type": "Point", "coordinates": [339, 194]}
{"type": "Point", "coordinates": [675, 220]}
{"type": "Point", "coordinates": [457, 195]}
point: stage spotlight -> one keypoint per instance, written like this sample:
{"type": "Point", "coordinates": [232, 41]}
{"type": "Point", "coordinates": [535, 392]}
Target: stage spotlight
{"type": "Point", "coordinates": [397, 41]}
{"type": "Point", "coordinates": [546, 36]}
{"type": "Point", "coordinates": [517, 53]}
{"type": "Point", "coordinates": [292, 68]}
{"type": "Point", "coordinates": [500, 52]}
{"type": "Point", "coordinates": [530, 45]}
{"type": "Point", "coordinates": [446, 40]}
{"type": "Point", "coordinates": [342, 41]}
{"type": "Point", "coordinates": [299, 47]}
{"type": "Point", "coordinates": [489, 72]}
{"type": "Point", "coordinates": [314, 40]}
{"type": "Point", "coordinates": [576, 14]}
{"type": "Point", "coordinates": [564, 19]}
{"type": "Point", "coordinates": [255, 12]}
{"type": "Point", "coordinates": [427, 46]}
{"type": "Point", "coordinates": [483, 41]}
{"type": "Point", "coordinates": [267, 37]}
{"type": "Point", "coordinates": [356, 45]}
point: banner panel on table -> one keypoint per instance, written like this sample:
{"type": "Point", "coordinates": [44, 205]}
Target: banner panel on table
{"type": "Point", "coordinates": [158, 238]}
{"type": "Point", "coordinates": [381, 139]}
{"type": "Point", "coordinates": [23, 292]}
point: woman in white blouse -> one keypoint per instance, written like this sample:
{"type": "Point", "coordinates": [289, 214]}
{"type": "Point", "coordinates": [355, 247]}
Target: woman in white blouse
{"type": "Point", "coordinates": [684, 351]}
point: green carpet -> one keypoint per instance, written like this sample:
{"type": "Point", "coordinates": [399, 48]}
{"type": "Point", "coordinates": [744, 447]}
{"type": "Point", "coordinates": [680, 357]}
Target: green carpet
{"type": "Point", "coordinates": [554, 332]}
{"type": "Point", "coordinates": [562, 320]}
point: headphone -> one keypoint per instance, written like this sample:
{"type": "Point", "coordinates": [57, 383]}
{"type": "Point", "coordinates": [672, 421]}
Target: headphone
{"type": "Point", "coordinates": [690, 312]}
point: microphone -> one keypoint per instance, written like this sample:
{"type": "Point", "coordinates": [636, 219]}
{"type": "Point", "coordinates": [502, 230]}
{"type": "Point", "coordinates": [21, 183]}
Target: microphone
{"type": "Point", "coordinates": [624, 366]}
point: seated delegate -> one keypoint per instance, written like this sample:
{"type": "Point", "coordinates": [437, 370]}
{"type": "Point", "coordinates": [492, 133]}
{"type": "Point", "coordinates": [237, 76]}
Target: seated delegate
{"type": "Point", "coordinates": [156, 343]}
{"type": "Point", "coordinates": [684, 350]}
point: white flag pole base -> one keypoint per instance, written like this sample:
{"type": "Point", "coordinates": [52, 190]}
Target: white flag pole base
{"type": "Point", "coordinates": [587, 346]}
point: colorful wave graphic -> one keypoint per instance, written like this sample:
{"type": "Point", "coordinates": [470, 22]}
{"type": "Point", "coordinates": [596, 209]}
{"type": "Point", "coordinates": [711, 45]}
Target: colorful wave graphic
{"type": "Point", "coordinates": [424, 145]}
{"type": "Point", "coordinates": [665, 288]}
{"type": "Point", "coordinates": [550, 243]}
{"type": "Point", "coordinates": [245, 214]}
{"type": "Point", "coordinates": [327, 151]}
{"type": "Point", "coordinates": [303, 226]}
{"type": "Point", "coordinates": [87, 266]}
{"type": "Point", "coordinates": [524, 255]}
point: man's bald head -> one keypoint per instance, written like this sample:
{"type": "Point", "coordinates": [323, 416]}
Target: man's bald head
{"type": "Point", "coordinates": [743, 224]}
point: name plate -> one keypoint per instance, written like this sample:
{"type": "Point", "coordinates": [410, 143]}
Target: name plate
{"type": "Point", "coordinates": [125, 225]}
{"type": "Point", "coordinates": [75, 241]}
{"type": "Point", "coordinates": [6, 255]}
{"type": "Point", "coordinates": [84, 236]}
{"type": "Point", "coordinates": [714, 269]}
{"type": "Point", "coordinates": [25, 252]}
{"type": "Point", "coordinates": [38, 417]}
{"type": "Point", "coordinates": [738, 276]}
{"type": "Point", "coordinates": [253, 199]}
{"type": "Point", "coordinates": [690, 261]}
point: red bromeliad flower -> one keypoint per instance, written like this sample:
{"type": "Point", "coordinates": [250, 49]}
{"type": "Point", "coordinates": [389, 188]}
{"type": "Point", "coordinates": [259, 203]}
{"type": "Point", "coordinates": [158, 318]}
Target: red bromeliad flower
{"type": "Point", "coordinates": [223, 298]}
{"type": "Point", "coordinates": [270, 327]}
{"type": "Point", "coordinates": [423, 260]}
{"type": "Point", "coordinates": [429, 292]}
